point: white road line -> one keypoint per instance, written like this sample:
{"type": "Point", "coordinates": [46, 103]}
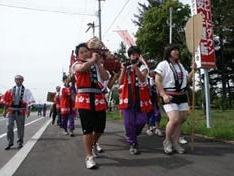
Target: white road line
{"type": "Point", "coordinates": [2, 119]}
{"type": "Point", "coordinates": [13, 164]}
{"type": "Point", "coordinates": [3, 135]}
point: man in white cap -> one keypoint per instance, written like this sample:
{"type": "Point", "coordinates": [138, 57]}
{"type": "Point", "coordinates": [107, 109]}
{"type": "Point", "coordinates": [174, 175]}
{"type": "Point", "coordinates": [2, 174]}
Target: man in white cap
{"type": "Point", "coordinates": [17, 103]}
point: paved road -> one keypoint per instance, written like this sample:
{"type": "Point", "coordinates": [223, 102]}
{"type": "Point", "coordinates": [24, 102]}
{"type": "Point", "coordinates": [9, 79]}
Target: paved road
{"type": "Point", "coordinates": [58, 155]}
{"type": "Point", "coordinates": [33, 124]}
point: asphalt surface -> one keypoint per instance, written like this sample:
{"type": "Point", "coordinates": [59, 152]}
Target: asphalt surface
{"type": "Point", "coordinates": [58, 155]}
{"type": "Point", "coordinates": [33, 124]}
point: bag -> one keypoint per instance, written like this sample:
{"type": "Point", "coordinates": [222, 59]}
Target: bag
{"type": "Point", "coordinates": [51, 96]}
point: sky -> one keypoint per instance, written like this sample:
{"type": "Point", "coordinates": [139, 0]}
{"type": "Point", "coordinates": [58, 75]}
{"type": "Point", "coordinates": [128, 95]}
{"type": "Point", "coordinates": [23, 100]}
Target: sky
{"type": "Point", "coordinates": [38, 44]}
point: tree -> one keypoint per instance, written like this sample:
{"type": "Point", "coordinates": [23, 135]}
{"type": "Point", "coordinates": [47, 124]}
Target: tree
{"type": "Point", "coordinates": [121, 52]}
{"type": "Point", "coordinates": [143, 7]}
{"type": "Point", "coordinates": [153, 34]}
{"type": "Point", "coordinates": [223, 12]}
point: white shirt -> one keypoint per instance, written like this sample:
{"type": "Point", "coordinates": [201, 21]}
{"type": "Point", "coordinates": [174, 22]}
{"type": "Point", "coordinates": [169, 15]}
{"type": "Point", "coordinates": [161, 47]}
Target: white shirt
{"type": "Point", "coordinates": [27, 97]}
{"type": "Point", "coordinates": [168, 80]}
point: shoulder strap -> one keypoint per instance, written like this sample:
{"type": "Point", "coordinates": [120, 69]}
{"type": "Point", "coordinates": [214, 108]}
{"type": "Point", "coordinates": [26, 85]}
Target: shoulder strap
{"type": "Point", "coordinates": [175, 74]}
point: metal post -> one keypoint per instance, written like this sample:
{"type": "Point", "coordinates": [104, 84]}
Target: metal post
{"type": "Point", "coordinates": [99, 19]}
{"type": "Point", "coordinates": [207, 96]}
{"type": "Point", "coordinates": [93, 29]}
{"type": "Point", "coordinates": [170, 24]}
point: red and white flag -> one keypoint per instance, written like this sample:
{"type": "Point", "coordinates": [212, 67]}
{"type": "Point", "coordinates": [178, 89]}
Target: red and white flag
{"type": "Point", "coordinates": [126, 37]}
{"type": "Point", "coordinates": [205, 55]}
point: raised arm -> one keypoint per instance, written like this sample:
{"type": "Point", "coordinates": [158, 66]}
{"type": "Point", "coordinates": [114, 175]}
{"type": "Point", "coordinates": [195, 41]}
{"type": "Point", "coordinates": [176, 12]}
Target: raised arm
{"type": "Point", "coordinates": [103, 73]}
{"type": "Point", "coordinates": [86, 65]}
{"type": "Point", "coordinates": [122, 72]}
{"type": "Point", "coordinates": [112, 80]}
{"type": "Point", "coordinates": [140, 74]}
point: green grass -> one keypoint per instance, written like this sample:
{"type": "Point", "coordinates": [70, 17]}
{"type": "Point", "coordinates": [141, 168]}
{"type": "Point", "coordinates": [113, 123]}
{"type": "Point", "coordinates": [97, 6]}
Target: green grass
{"type": "Point", "coordinates": [222, 123]}
{"type": "Point", "coordinates": [114, 115]}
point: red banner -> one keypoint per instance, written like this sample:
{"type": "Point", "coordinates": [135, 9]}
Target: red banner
{"type": "Point", "coordinates": [205, 56]}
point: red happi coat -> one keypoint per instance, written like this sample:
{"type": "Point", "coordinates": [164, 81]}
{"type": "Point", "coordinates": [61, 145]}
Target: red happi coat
{"type": "Point", "coordinates": [83, 80]}
{"type": "Point", "coordinates": [57, 101]}
{"type": "Point", "coordinates": [126, 102]}
{"type": "Point", "coordinates": [8, 99]}
{"type": "Point", "coordinates": [66, 101]}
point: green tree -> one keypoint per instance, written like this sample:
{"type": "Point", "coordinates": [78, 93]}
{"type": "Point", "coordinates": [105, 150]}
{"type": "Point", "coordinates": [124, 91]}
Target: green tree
{"type": "Point", "coordinates": [143, 7]}
{"type": "Point", "coordinates": [223, 13]}
{"type": "Point", "coordinates": [153, 34]}
{"type": "Point", "coordinates": [121, 52]}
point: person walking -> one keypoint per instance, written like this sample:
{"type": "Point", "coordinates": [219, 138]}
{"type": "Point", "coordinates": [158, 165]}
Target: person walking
{"type": "Point", "coordinates": [67, 107]}
{"type": "Point", "coordinates": [17, 103]}
{"type": "Point", "coordinates": [90, 100]}
{"type": "Point", "coordinates": [44, 109]}
{"type": "Point", "coordinates": [134, 98]}
{"type": "Point", "coordinates": [172, 81]}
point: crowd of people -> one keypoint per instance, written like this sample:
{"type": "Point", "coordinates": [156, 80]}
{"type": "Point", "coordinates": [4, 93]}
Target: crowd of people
{"type": "Point", "coordinates": [84, 95]}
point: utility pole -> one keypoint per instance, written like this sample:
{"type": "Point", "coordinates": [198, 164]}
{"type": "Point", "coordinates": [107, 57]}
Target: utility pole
{"type": "Point", "coordinates": [170, 24]}
{"type": "Point", "coordinates": [100, 19]}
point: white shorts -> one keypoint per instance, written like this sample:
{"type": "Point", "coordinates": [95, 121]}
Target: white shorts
{"type": "Point", "coordinates": [176, 107]}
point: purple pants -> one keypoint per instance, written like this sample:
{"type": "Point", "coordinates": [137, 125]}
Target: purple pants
{"type": "Point", "coordinates": [134, 122]}
{"type": "Point", "coordinates": [153, 117]}
{"type": "Point", "coordinates": [68, 122]}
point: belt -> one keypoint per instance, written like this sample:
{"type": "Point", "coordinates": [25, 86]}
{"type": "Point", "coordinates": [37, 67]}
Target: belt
{"type": "Point", "coordinates": [89, 90]}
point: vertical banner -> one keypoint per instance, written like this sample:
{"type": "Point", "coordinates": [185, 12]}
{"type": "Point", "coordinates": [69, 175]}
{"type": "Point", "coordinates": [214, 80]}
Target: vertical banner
{"type": "Point", "coordinates": [126, 37]}
{"type": "Point", "coordinates": [205, 55]}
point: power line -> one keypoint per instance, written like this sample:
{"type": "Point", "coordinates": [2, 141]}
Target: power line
{"type": "Point", "coordinates": [46, 10]}
{"type": "Point", "coordinates": [113, 22]}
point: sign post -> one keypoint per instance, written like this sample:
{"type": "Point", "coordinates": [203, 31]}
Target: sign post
{"type": "Point", "coordinates": [205, 54]}
{"type": "Point", "coordinates": [193, 32]}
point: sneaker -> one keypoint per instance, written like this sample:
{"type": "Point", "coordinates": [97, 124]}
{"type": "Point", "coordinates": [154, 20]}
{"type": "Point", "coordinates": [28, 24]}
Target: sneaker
{"type": "Point", "coordinates": [182, 140]}
{"type": "Point", "coordinates": [65, 133]}
{"type": "Point", "coordinates": [134, 150]}
{"type": "Point", "coordinates": [72, 134]}
{"type": "Point", "coordinates": [158, 132]}
{"type": "Point", "coordinates": [149, 132]}
{"type": "Point", "coordinates": [98, 148]}
{"type": "Point", "coordinates": [178, 148]}
{"type": "Point", "coordinates": [95, 152]}
{"type": "Point", "coordinates": [90, 163]}
{"type": "Point", "coordinates": [131, 150]}
{"type": "Point", "coordinates": [167, 146]}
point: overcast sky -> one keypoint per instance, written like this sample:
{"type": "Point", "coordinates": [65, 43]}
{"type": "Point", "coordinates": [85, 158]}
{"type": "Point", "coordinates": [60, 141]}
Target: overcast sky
{"type": "Point", "coordinates": [38, 44]}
